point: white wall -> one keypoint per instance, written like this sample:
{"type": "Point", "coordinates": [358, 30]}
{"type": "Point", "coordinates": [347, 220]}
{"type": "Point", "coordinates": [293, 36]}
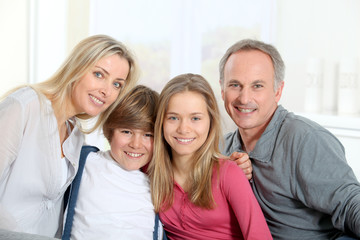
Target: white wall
{"type": "Point", "coordinates": [14, 40]}
{"type": "Point", "coordinates": [324, 29]}
{"type": "Point", "coordinates": [50, 33]}
{"type": "Point", "coordinates": [36, 36]}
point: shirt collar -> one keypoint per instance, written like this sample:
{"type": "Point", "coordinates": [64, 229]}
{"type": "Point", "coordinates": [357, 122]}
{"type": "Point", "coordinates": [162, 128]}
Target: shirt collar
{"type": "Point", "coordinates": [265, 145]}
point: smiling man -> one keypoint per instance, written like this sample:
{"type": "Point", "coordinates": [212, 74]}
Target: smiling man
{"type": "Point", "coordinates": [300, 175]}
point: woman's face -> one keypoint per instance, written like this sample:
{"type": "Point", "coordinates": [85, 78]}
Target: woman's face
{"type": "Point", "coordinates": [186, 123]}
{"type": "Point", "coordinates": [131, 148]}
{"type": "Point", "coordinates": [100, 86]}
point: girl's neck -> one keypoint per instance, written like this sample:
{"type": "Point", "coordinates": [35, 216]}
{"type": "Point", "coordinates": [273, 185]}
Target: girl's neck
{"type": "Point", "coordinates": [181, 163]}
{"type": "Point", "coordinates": [181, 167]}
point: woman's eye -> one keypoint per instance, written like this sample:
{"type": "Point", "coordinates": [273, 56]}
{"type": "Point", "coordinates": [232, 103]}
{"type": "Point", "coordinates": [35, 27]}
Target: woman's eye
{"type": "Point", "coordinates": [117, 84]}
{"type": "Point", "coordinates": [98, 74]}
{"type": "Point", "coordinates": [126, 132]}
{"type": "Point", "coordinates": [195, 118]}
{"type": "Point", "coordinates": [172, 118]}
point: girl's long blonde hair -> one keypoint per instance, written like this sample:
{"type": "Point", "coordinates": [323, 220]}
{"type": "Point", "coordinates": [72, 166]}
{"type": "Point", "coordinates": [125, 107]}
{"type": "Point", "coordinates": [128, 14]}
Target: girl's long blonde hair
{"type": "Point", "coordinates": [160, 169]}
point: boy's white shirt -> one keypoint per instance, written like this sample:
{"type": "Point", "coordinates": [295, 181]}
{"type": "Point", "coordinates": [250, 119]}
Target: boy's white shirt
{"type": "Point", "coordinates": [113, 203]}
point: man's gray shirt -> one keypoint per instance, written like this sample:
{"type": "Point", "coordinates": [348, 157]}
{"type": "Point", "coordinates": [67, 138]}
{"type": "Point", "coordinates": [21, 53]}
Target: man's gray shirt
{"type": "Point", "coordinates": [301, 179]}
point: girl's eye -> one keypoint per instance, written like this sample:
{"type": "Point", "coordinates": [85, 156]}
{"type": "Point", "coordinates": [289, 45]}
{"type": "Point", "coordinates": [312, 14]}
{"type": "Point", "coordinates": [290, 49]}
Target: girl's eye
{"type": "Point", "coordinates": [98, 74]}
{"type": "Point", "coordinates": [172, 118]}
{"type": "Point", "coordinates": [117, 85]}
{"type": "Point", "coordinates": [195, 118]}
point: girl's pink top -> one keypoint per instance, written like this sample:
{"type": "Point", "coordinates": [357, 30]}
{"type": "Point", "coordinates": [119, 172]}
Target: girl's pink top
{"type": "Point", "coordinates": [237, 214]}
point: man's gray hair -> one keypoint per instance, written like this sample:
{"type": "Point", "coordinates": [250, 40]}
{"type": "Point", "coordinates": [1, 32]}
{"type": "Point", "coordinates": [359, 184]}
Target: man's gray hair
{"type": "Point", "coordinates": [250, 44]}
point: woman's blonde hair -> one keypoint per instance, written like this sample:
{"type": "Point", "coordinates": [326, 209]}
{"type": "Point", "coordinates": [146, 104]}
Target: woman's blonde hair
{"type": "Point", "coordinates": [160, 168]}
{"type": "Point", "coordinates": [83, 57]}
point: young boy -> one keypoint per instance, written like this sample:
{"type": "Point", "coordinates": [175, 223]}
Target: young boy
{"type": "Point", "coordinates": [114, 200]}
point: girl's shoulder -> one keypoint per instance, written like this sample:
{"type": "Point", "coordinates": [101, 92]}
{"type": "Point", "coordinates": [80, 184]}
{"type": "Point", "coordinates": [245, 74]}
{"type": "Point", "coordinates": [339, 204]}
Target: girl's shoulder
{"type": "Point", "coordinates": [229, 172]}
{"type": "Point", "coordinates": [225, 162]}
{"type": "Point", "coordinates": [225, 165]}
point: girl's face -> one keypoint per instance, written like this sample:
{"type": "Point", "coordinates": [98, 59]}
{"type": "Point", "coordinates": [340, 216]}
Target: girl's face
{"type": "Point", "coordinates": [186, 123]}
{"type": "Point", "coordinates": [131, 148]}
{"type": "Point", "coordinates": [100, 86]}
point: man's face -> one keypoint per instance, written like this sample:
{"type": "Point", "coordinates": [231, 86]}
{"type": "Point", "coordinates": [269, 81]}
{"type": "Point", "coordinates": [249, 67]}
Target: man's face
{"type": "Point", "coordinates": [248, 91]}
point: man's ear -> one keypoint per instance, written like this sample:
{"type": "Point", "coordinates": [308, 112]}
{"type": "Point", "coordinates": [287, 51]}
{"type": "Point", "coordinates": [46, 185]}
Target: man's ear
{"type": "Point", "coordinates": [222, 91]}
{"type": "Point", "coordinates": [279, 91]}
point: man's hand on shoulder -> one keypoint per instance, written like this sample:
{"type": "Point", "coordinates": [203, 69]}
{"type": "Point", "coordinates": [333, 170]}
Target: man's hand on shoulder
{"type": "Point", "coordinates": [243, 161]}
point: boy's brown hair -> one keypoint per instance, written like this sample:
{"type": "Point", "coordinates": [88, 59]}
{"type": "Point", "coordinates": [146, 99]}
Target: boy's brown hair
{"type": "Point", "coordinates": [136, 110]}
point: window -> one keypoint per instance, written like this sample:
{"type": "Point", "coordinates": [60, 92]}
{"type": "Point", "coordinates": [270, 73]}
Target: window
{"type": "Point", "coordinates": [174, 37]}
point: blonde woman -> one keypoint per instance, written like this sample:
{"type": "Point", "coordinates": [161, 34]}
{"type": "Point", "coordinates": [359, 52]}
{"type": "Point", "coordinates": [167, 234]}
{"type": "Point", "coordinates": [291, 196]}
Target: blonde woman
{"type": "Point", "coordinates": [41, 136]}
{"type": "Point", "coordinates": [198, 194]}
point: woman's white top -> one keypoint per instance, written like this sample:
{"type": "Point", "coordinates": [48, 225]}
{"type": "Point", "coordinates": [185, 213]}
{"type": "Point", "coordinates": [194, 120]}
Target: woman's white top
{"type": "Point", "coordinates": [31, 176]}
{"type": "Point", "coordinates": [113, 203]}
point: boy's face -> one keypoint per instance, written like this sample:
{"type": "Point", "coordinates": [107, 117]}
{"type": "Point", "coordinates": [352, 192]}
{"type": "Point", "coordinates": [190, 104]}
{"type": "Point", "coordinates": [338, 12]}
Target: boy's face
{"type": "Point", "coordinates": [131, 148]}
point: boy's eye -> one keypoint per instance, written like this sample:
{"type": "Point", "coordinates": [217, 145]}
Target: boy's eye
{"type": "Point", "coordinates": [149, 135]}
{"type": "Point", "coordinates": [126, 131]}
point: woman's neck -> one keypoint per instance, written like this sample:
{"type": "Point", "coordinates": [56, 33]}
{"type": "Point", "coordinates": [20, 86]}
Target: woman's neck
{"type": "Point", "coordinates": [61, 116]}
{"type": "Point", "coordinates": [61, 111]}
